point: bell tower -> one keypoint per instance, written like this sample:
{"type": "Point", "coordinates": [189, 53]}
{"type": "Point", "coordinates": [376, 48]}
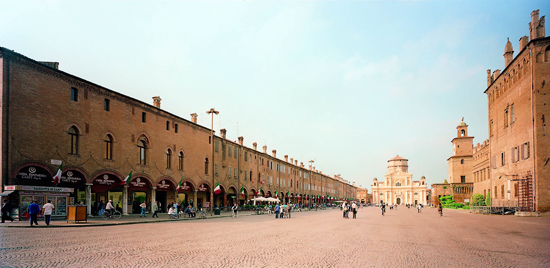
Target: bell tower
{"type": "Point", "coordinates": [461, 163]}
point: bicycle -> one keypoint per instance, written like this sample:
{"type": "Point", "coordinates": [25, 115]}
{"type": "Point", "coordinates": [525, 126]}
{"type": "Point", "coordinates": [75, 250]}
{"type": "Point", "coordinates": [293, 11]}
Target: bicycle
{"type": "Point", "coordinates": [201, 214]}
{"type": "Point", "coordinates": [106, 215]}
{"type": "Point", "coordinates": [440, 212]}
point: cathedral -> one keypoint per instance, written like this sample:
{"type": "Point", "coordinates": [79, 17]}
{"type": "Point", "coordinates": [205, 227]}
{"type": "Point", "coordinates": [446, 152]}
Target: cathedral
{"type": "Point", "coordinates": [399, 187]}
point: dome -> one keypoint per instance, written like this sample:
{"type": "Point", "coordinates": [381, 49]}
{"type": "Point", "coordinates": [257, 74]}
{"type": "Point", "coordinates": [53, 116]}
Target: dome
{"type": "Point", "coordinates": [508, 47]}
{"type": "Point", "coordinates": [422, 178]}
{"type": "Point", "coordinates": [397, 158]}
{"type": "Point", "coordinates": [375, 179]}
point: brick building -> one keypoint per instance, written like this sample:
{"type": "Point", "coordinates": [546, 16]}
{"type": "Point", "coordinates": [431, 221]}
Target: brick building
{"type": "Point", "coordinates": [363, 196]}
{"type": "Point", "coordinates": [518, 109]}
{"type": "Point", "coordinates": [50, 118]}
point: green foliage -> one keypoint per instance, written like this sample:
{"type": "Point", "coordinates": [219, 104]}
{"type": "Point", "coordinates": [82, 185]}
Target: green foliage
{"type": "Point", "coordinates": [466, 207]}
{"type": "Point", "coordinates": [477, 200]}
{"type": "Point", "coordinates": [488, 199]}
{"type": "Point", "coordinates": [444, 187]}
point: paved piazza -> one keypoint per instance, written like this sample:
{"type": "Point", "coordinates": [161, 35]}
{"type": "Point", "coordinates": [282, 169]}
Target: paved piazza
{"type": "Point", "coordinates": [402, 238]}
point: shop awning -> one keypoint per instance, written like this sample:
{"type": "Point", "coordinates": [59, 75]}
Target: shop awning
{"type": "Point", "coordinates": [6, 193]}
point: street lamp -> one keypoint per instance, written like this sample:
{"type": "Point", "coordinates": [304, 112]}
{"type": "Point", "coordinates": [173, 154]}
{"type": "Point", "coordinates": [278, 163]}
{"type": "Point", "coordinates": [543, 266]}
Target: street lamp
{"type": "Point", "coordinates": [212, 112]}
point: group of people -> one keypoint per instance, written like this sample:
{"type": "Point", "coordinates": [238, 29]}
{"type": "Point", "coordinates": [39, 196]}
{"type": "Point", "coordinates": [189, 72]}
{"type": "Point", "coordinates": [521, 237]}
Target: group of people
{"type": "Point", "coordinates": [282, 211]}
{"type": "Point", "coordinates": [33, 210]}
{"type": "Point", "coordinates": [347, 207]}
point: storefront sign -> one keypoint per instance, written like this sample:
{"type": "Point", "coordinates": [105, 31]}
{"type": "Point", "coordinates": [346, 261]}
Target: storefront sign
{"type": "Point", "coordinates": [9, 188]}
{"type": "Point", "coordinates": [105, 182]}
{"type": "Point", "coordinates": [185, 187]}
{"type": "Point", "coordinates": [139, 184]}
{"type": "Point", "coordinates": [203, 188]}
{"type": "Point", "coordinates": [72, 178]}
{"type": "Point", "coordinates": [34, 175]}
{"type": "Point", "coordinates": [46, 189]}
{"type": "Point", "coordinates": [164, 185]}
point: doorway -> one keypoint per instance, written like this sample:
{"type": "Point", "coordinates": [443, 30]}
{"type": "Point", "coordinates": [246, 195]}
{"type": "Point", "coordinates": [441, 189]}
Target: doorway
{"type": "Point", "coordinates": [161, 197]}
{"type": "Point", "coordinates": [398, 201]}
{"type": "Point", "coordinates": [137, 199]}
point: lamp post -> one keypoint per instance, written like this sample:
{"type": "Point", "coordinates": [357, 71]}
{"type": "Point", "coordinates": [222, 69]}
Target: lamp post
{"type": "Point", "coordinates": [212, 111]}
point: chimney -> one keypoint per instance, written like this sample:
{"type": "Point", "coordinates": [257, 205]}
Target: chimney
{"type": "Point", "coordinates": [223, 131]}
{"type": "Point", "coordinates": [255, 146]}
{"type": "Point", "coordinates": [156, 101]}
{"type": "Point", "coordinates": [523, 42]}
{"type": "Point", "coordinates": [310, 167]}
{"type": "Point", "coordinates": [536, 26]}
{"type": "Point", "coordinates": [302, 164]}
{"type": "Point", "coordinates": [194, 118]}
{"type": "Point", "coordinates": [274, 152]}
{"type": "Point", "coordinates": [265, 149]}
{"type": "Point", "coordinates": [296, 162]}
{"type": "Point", "coordinates": [286, 158]}
{"type": "Point", "coordinates": [291, 161]}
{"type": "Point", "coordinates": [241, 140]}
{"type": "Point", "coordinates": [489, 78]}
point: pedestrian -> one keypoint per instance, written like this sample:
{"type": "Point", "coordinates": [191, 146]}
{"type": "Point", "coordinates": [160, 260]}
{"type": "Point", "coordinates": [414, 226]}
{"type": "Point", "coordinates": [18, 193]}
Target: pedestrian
{"type": "Point", "coordinates": [289, 209]}
{"type": "Point", "coordinates": [354, 209]}
{"type": "Point", "coordinates": [101, 207]}
{"type": "Point", "coordinates": [6, 210]}
{"type": "Point", "coordinates": [33, 210]}
{"type": "Point", "coordinates": [160, 207]}
{"type": "Point", "coordinates": [155, 209]}
{"type": "Point", "coordinates": [48, 208]}
{"type": "Point", "coordinates": [344, 210]}
{"type": "Point", "coordinates": [143, 212]}
{"type": "Point", "coordinates": [277, 210]}
{"type": "Point", "coordinates": [419, 208]}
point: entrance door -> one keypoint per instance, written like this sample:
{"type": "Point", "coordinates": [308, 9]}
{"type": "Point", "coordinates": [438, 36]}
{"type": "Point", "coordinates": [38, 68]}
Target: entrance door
{"type": "Point", "coordinates": [137, 199]}
{"type": "Point", "coordinates": [161, 197]}
{"type": "Point", "coordinates": [398, 201]}
{"type": "Point", "coordinates": [416, 202]}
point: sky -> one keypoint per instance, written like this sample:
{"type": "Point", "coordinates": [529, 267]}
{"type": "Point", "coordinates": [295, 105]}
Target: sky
{"type": "Point", "coordinates": [348, 84]}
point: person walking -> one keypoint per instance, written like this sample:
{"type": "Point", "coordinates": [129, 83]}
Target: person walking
{"type": "Point", "coordinates": [143, 211]}
{"type": "Point", "coordinates": [155, 209]}
{"type": "Point", "coordinates": [101, 207]}
{"type": "Point", "coordinates": [354, 209]}
{"type": "Point", "coordinates": [277, 210]}
{"type": "Point", "coordinates": [419, 208]}
{"type": "Point", "coordinates": [48, 208]}
{"type": "Point", "coordinates": [235, 209]}
{"type": "Point", "coordinates": [6, 210]}
{"type": "Point", "coordinates": [33, 211]}
{"type": "Point", "coordinates": [344, 210]}
{"type": "Point", "coordinates": [289, 209]}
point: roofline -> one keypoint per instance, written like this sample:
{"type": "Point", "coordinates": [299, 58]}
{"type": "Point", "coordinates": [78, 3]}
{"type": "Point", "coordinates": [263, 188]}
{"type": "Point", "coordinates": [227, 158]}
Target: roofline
{"type": "Point", "coordinates": [511, 63]}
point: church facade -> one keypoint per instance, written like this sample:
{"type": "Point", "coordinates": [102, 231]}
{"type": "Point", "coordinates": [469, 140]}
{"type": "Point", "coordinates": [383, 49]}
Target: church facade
{"type": "Point", "coordinates": [399, 187]}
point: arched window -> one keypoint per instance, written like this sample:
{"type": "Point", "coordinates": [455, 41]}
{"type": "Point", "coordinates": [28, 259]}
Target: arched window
{"type": "Point", "coordinates": [109, 147]}
{"type": "Point", "coordinates": [462, 161]}
{"type": "Point", "coordinates": [250, 175]}
{"type": "Point", "coordinates": [73, 135]}
{"type": "Point", "coordinates": [142, 144]}
{"type": "Point", "coordinates": [168, 159]}
{"type": "Point", "coordinates": [398, 184]}
{"type": "Point", "coordinates": [462, 133]}
{"type": "Point", "coordinates": [180, 161]}
{"type": "Point", "coordinates": [206, 166]}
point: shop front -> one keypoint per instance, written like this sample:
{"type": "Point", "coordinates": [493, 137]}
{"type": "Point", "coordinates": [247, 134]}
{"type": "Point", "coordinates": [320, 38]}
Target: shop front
{"type": "Point", "coordinates": [230, 197]}
{"type": "Point", "coordinates": [22, 196]}
{"type": "Point", "coordinates": [139, 191]}
{"type": "Point", "coordinates": [105, 187]}
{"type": "Point", "coordinates": [165, 193]}
{"type": "Point", "coordinates": [203, 196]}
{"type": "Point", "coordinates": [186, 194]}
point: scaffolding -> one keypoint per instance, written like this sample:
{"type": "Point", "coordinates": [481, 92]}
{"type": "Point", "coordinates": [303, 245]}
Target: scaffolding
{"type": "Point", "coordinates": [526, 194]}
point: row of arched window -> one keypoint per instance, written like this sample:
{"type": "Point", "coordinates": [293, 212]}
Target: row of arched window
{"type": "Point", "coordinates": [142, 145]}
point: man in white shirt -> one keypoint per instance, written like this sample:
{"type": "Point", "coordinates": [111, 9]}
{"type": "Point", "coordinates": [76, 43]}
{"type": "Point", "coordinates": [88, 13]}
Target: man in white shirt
{"type": "Point", "coordinates": [48, 209]}
{"type": "Point", "coordinates": [109, 207]}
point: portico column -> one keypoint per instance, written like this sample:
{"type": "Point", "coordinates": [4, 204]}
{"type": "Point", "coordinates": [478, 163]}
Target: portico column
{"type": "Point", "coordinates": [125, 200]}
{"type": "Point", "coordinates": [195, 200]}
{"type": "Point", "coordinates": [153, 195]}
{"type": "Point", "coordinates": [89, 198]}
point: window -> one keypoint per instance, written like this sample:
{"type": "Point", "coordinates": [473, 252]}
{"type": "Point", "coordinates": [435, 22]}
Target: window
{"type": "Point", "coordinates": [502, 191]}
{"type": "Point", "coordinates": [245, 175]}
{"type": "Point", "coordinates": [516, 190]}
{"type": "Point", "coordinates": [506, 118]}
{"type": "Point", "coordinates": [494, 162]}
{"type": "Point", "coordinates": [512, 114]}
{"type": "Point", "coordinates": [216, 146]}
{"type": "Point", "coordinates": [206, 166]}
{"type": "Point", "coordinates": [525, 150]}
{"type": "Point", "coordinates": [73, 135]}
{"type": "Point", "coordinates": [109, 147]}
{"type": "Point", "coordinates": [398, 184]}
{"type": "Point", "coordinates": [235, 173]}
{"type": "Point", "coordinates": [229, 150]}
{"type": "Point", "coordinates": [74, 94]}
{"type": "Point", "coordinates": [462, 133]}
{"type": "Point", "coordinates": [176, 128]}
{"type": "Point", "coordinates": [462, 179]}
{"type": "Point", "coordinates": [143, 117]}
{"type": "Point", "coordinates": [180, 161]}
{"type": "Point", "coordinates": [168, 159]}
{"type": "Point", "coordinates": [229, 173]}
{"type": "Point", "coordinates": [235, 152]}
{"type": "Point", "coordinates": [245, 156]}
{"type": "Point", "coordinates": [496, 192]}
{"type": "Point", "coordinates": [462, 161]}
{"type": "Point", "coordinates": [167, 125]}
{"type": "Point", "coordinates": [251, 176]}
{"type": "Point", "coordinates": [216, 169]}
{"type": "Point", "coordinates": [107, 105]}
{"type": "Point", "coordinates": [503, 158]}
{"type": "Point", "coordinates": [142, 145]}
{"type": "Point", "coordinates": [209, 139]}
{"type": "Point", "coordinates": [515, 154]}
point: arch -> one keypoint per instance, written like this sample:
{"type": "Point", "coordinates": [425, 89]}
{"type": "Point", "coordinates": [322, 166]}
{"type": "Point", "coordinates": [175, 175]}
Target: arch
{"type": "Point", "coordinates": [204, 184]}
{"type": "Point", "coordinates": [231, 188]}
{"type": "Point", "coordinates": [398, 184]}
{"type": "Point", "coordinates": [109, 140]}
{"type": "Point", "coordinates": [74, 134]}
{"type": "Point", "coordinates": [168, 158]}
{"type": "Point", "coordinates": [45, 180]}
{"type": "Point", "coordinates": [73, 124]}
{"type": "Point", "coordinates": [104, 171]}
{"type": "Point", "coordinates": [106, 180]}
{"type": "Point", "coordinates": [147, 137]}
{"type": "Point", "coordinates": [252, 190]}
{"type": "Point", "coordinates": [104, 134]}
{"type": "Point", "coordinates": [167, 180]}
{"type": "Point", "coordinates": [75, 180]}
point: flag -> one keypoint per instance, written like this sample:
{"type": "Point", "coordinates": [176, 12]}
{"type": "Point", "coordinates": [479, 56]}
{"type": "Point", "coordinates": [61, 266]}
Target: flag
{"type": "Point", "coordinates": [218, 189]}
{"type": "Point", "coordinates": [276, 194]}
{"type": "Point", "coordinates": [179, 186]}
{"type": "Point", "coordinates": [57, 177]}
{"type": "Point", "coordinates": [259, 191]}
{"type": "Point", "coordinates": [287, 193]}
{"type": "Point", "coordinates": [127, 179]}
{"type": "Point", "coordinates": [242, 191]}
{"type": "Point", "coordinates": [262, 182]}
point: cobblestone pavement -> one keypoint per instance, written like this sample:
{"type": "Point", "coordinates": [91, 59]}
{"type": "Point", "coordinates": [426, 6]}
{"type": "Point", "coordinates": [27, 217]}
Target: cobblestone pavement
{"type": "Point", "coordinates": [402, 238]}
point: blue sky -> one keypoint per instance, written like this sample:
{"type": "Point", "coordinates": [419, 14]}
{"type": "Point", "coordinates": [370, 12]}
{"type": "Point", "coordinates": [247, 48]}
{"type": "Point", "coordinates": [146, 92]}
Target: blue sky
{"type": "Point", "coordinates": [347, 84]}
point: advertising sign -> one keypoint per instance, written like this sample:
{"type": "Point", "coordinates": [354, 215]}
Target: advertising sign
{"type": "Point", "coordinates": [34, 175]}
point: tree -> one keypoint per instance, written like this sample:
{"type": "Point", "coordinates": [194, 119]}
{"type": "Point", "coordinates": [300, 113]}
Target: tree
{"type": "Point", "coordinates": [477, 200]}
{"type": "Point", "coordinates": [488, 199]}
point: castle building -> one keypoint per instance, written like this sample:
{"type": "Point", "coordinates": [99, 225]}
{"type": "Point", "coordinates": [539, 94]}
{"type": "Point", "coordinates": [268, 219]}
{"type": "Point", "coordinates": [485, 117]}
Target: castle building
{"type": "Point", "coordinates": [399, 187]}
{"type": "Point", "coordinates": [518, 99]}
{"type": "Point", "coordinates": [94, 138]}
